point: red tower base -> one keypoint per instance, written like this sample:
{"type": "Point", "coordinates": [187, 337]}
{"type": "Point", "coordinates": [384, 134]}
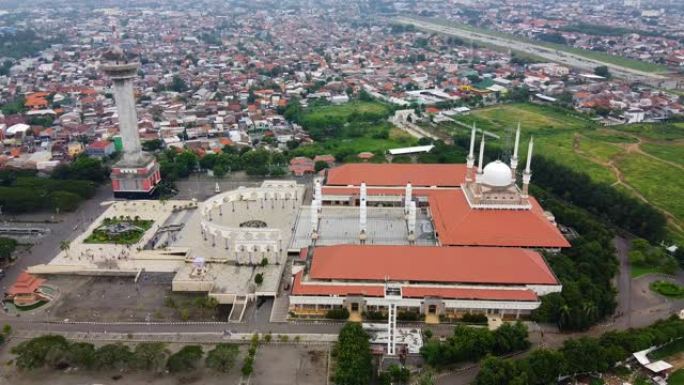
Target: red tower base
{"type": "Point", "coordinates": [135, 182]}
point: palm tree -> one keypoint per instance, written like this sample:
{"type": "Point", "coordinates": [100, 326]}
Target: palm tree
{"type": "Point", "coordinates": [64, 246]}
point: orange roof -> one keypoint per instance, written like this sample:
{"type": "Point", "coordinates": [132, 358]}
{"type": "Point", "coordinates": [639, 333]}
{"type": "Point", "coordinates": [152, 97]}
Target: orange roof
{"type": "Point", "coordinates": [25, 284]}
{"type": "Point", "coordinates": [317, 288]}
{"type": "Point", "coordinates": [487, 265]}
{"type": "Point", "coordinates": [445, 175]}
{"type": "Point", "coordinates": [457, 224]}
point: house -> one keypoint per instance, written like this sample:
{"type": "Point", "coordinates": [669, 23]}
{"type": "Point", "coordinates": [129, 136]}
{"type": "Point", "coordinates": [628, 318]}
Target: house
{"type": "Point", "coordinates": [100, 148]}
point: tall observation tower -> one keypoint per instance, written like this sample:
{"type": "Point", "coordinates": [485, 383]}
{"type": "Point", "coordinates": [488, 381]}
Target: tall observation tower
{"type": "Point", "coordinates": [136, 175]}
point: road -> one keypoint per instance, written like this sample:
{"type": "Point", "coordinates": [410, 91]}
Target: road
{"type": "Point", "coordinates": [551, 54]}
{"type": "Point", "coordinates": [66, 226]}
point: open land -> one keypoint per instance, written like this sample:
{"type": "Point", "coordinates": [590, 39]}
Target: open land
{"type": "Point", "coordinates": [644, 160]}
{"type": "Point", "coordinates": [362, 128]}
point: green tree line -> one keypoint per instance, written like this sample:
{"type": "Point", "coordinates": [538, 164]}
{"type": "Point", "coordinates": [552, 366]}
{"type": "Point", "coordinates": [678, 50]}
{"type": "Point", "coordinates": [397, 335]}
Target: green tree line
{"type": "Point", "coordinates": [578, 356]}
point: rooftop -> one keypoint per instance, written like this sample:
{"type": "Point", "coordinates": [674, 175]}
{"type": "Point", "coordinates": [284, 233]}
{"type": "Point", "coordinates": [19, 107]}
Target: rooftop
{"type": "Point", "coordinates": [493, 265]}
{"type": "Point", "coordinates": [443, 175]}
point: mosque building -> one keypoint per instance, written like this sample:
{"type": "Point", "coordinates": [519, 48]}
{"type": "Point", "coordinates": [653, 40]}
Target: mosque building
{"type": "Point", "coordinates": [434, 240]}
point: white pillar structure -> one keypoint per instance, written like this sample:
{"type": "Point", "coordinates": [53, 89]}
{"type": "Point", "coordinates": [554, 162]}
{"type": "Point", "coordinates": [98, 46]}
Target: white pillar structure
{"type": "Point", "coordinates": [480, 160]}
{"type": "Point", "coordinates": [318, 192]}
{"type": "Point", "coordinates": [122, 76]}
{"type": "Point", "coordinates": [514, 158]}
{"type": "Point", "coordinates": [412, 218]}
{"type": "Point", "coordinates": [470, 160]}
{"type": "Point", "coordinates": [363, 191]}
{"type": "Point", "coordinates": [408, 196]}
{"type": "Point", "coordinates": [314, 217]}
{"type": "Point", "coordinates": [363, 216]}
{"type": "Point", "coordinates": [527, 174]}
{"type": "Point", "coordinates": [392, 329]}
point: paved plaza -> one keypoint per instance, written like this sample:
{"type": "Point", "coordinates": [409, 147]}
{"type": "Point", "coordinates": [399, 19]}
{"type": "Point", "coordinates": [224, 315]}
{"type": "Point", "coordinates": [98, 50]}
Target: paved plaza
{"type": "Point", "coordinates": [340, 225]}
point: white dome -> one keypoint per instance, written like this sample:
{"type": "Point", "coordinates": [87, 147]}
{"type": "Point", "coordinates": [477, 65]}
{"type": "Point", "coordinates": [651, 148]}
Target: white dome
{"type": "Point", "coordinates": [497, 174]}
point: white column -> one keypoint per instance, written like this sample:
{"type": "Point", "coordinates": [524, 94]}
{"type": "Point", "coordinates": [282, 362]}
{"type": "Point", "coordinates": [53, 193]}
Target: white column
{"type": "Point", "coordinates": [318, 193]}
{"type": "Point", "coordinates": [363, 213]}
{"type": "Point", "coordinates": [128, 118]}
{"type": "Point", "coordinates": [407, 196]}
{"type": "Point", "coordinates": [412, 218]}
{"type": "Point", "coordinates": [527, 174]}
{"type": "Point", "coordinates": [392, 329]}
{"type": "Point", "coordinates": [363, 191]}
{"type": "Point", "coordinates": [481, 155]}
{"type": "Point", "coordinates": [314, 217]}
{"type": "Point", "coordinates": [514, 159]}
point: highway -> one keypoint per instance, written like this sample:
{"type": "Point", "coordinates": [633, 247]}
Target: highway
{"type": "Point", "coordinates": [567, 58]}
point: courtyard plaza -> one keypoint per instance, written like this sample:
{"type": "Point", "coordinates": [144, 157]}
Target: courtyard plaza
{"type": "Point", "coordinates": [218, 246]}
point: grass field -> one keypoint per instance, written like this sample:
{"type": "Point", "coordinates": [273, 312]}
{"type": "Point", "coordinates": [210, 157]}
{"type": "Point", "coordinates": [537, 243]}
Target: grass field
{"type": "Point", "coordinates": [676, 378]}
{"type": "Point", "coordinates": [603, 153]}
{"type": "Point", "coordinates": [670, 152]}
{"type": "Point", "coordinates": [362, 129]}
{"type": "Point", "coordinates": [659, 183]}
{"type": "Point", "coordinates": [594, 55]}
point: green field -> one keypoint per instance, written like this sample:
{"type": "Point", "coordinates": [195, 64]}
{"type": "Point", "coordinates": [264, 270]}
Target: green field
{"type": "Point", "coordinates": [676, 378]}
{"type": "Point", "coordinates": [670, 152]}
{"type": "Point", "coordinates": [594, 55]}
{"type": "Point", "coordinates": [358, 126]}
{"type": "Point", "coordinates": [603, 153]}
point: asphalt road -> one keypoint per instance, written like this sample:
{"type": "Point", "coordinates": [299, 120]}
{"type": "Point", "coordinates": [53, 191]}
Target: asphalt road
{"type": "Point", "coordinates": [66, 227]}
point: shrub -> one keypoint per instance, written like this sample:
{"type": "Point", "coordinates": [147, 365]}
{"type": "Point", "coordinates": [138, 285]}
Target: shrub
{"type": "Point", "coordinates": [222, 357]}
{"type": "Point", "coordinates": [259, 279]}
{"type": "Point", "coordinates": [185, 359]}
{"type": "Point", "coordinates": [408, 316]}
{"type": "Point", "coordinates": [340, 313]}
{"type": "Point", "coordinates": [474, 318]}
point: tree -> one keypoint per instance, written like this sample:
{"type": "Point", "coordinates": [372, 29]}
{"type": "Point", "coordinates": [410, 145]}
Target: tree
{"type": "Point", "coordinates": [178, 84]}
{"type": "Point", "coordinates": [113, 357]}
{"type": "Point", "coordinates": [544, 366]}
{"type": "Point", "coordinates": [222, 357]}
{"type": "Point", "coordinates": [185, 359]}
{"type": "Point", "coordinates": [354, 359]}
{"type": "Point", "coordinates": [602, 71]}
{"type": "Point", "coordinates": [320, 165]}
{"type": "Point", "coordinates": [34, 353]}
{"type": "Point", "coordinates": [7, 247]}
{"type": "Point", "coordinates": [150, 356]}
{"type": "Point", "coordinates": [81, 355]}
{"type": "Point", "coordinates": [259, 278]}
{"type": "Point", "coordinates": [495, 371]}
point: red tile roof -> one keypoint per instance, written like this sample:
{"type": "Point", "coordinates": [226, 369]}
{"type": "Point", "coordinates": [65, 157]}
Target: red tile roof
{"type": "Point", "coordinates": [446, 175]}
{"type": "Point", "coordinates": [457, 224]}
{"type": "Point", "coordinates": [25, 284]}
{"type": "Point", "coordinates": [487, 265]}
{"type": "Point", "coordinates": [318, 289]}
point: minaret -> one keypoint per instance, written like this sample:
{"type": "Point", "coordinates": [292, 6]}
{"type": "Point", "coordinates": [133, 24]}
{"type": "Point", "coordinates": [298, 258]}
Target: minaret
{"type": "Point", "coordinates": [137, 173]}
{"type": "Point", "coordinates": [470, 160]}
{"type": "Point", "coordinates": [363, 191]}
{"type": "Point", "coordinates": [480, 161]}
{"type": "Point", "coordinates": [514, 158]}
{"type": "Point", "coordinates": [527, 174]}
